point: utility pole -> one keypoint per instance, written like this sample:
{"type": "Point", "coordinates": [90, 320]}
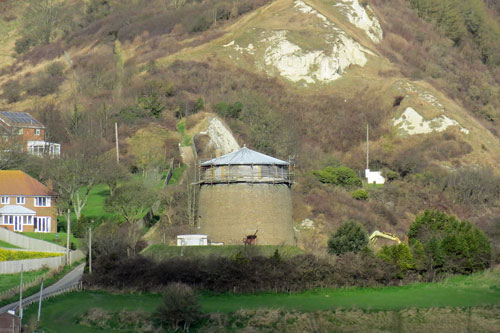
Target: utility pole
{"type": "Point", "coordinates": [21, 295]}
{"type": "Point", "coordinates": [117, 148]}
{"type": "Point", "coordinates": [67, 238]}
{"type": "Point", "coordinates": [40, 301]}
{"type": "Point", "coordinates": [90, 250]}
{"type": "Point", "coordinates": [367, 148]}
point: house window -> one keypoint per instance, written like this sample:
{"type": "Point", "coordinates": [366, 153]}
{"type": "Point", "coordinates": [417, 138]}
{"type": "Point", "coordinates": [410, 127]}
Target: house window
{"type": "Point", "coordinates": [20, 131]}
{"type": "Point", "coordinates": [37, 131]}
{"type": "Point", "coordinates": [5, 200]}
{"type": "Point", "coordinates": [42, 202]}
{"type": "Point", "coordinates": [8, 219]}
{"type": "Point", "coordinates": [20, 200]}
{"type": "Point", "coordinates": [41, 224]}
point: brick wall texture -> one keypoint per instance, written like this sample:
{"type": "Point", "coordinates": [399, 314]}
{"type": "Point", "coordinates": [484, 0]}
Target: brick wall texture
{"type": "Point", "coordinates": [230, 212]}
{"type": "Point", "coordinates": [40, 212]}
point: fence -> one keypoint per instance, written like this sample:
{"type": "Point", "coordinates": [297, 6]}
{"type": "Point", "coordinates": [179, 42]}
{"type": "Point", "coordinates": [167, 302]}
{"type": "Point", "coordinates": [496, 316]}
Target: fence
{"type": "Point", "coordinates": [75, 287]}
{"type": "Point", "coordinates": [28, 242]}
{"type": "Point", "coordinates": [15, 290]}
{"type": "Point", "coordinates": [170, 172]}
{"type": "Point", "coordinates": [11, 267]}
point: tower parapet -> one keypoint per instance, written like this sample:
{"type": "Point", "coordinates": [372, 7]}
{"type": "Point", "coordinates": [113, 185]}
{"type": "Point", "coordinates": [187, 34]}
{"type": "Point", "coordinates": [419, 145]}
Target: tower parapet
{"type": "Point", "coordinates": [245, 166]}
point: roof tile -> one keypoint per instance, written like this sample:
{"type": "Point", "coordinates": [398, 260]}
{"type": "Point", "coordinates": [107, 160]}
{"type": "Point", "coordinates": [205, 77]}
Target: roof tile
{"type": "Point", "coordinates": [16, 182]}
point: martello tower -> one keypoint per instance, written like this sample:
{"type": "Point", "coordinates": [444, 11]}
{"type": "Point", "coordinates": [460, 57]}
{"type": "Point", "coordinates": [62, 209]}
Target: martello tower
{"type": "Point", "coordinates": [244, 192]}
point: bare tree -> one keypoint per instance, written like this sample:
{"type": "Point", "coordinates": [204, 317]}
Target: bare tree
{"type": "Point", "coordinates": [131, 200]}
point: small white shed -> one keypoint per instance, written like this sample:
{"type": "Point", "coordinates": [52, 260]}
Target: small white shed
{"type": "Point", "coordinates": [374, 177]}
{"type": "Point", "coordinates": [192, 240]}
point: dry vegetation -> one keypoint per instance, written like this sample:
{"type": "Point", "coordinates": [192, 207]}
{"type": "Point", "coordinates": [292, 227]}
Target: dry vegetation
{"type": "Point", "coordinates": [115, 71]}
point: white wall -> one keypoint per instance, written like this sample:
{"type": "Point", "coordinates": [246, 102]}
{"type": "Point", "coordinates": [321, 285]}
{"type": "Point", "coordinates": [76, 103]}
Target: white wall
{"type": "Point", "coordinates": [28, 242]}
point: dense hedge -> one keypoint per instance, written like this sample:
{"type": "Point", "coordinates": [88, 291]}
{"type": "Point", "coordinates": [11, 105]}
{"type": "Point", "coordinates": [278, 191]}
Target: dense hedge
{"type": "Point", "coordinates": [241, 273]}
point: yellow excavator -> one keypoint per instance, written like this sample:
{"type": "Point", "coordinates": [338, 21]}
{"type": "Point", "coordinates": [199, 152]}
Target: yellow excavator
{"type": "Point", "coordinates": [381, 234]}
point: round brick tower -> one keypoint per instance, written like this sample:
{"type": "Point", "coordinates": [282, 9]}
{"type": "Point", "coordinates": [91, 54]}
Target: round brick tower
{"type": "Point", "coordinates": [246, 193]}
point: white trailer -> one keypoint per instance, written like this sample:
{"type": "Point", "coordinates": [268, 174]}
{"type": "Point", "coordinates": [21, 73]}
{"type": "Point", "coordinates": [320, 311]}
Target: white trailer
{"type": "Point", "coordinates": [192, 240]}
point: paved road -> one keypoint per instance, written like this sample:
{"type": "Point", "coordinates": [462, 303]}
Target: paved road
{"type": "Point", "coordinates": [69, 279]}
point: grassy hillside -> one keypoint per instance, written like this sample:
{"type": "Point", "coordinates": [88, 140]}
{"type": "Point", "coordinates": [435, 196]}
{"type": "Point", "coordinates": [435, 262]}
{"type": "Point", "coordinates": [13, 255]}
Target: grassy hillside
{"type": "Point", "coordinates": [309, 75]}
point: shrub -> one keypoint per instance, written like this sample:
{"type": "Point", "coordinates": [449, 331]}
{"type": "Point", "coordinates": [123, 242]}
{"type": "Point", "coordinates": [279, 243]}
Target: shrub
{"type": "Point", "coordinates": [228, 110]}
{"type": "Point", "coordinates": [82, 226]}
{"type": "Point", "coordinates": [341, 176]}
{"type": "Point", "coordinates": [180, 308]}
{"type": "Point", "coordinates": [23, 45]}
{"type": "Point", "coordinates": [451, 245]}
{"type": "Point", "coordinates": [399, 255]}
{"type": "Point", "coordinates": [350, 237]}
{"type": "Point", "coordinates": [360, 194]}
{"type": "Point", "coordinates": [12, 91]}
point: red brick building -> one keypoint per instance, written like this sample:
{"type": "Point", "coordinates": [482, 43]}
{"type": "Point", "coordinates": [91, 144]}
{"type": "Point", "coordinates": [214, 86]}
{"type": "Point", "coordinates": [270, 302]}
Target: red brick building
{"type": "Point", "coordinates": [10, 323]}
{"type": "Point", "coordinates": [29, 134]}
{"type": "Point", "coordinates": [26, 204]}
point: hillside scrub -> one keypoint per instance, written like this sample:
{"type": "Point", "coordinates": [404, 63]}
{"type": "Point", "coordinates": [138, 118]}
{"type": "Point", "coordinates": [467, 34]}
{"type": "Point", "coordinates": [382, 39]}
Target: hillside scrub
{"type": "Point", "coordinates": [464, 64]}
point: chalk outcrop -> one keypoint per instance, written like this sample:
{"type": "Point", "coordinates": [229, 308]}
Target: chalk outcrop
{"type": "Point", "coordinates": [411, 123]}
{"type": "Point", "coordinates": [221, 137]}
{"type": "Point", "coordinates": [362, 17]}
{"type": "Point", "coordinates": [277, 53]}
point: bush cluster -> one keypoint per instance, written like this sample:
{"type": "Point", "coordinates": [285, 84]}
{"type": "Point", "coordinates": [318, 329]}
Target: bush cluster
{"type": "Point", "coordinates": [341, 176]}
{"type": "Point", "coordinates": [439, 243]}
{"type": "Point", "coordinates": [242, 273]}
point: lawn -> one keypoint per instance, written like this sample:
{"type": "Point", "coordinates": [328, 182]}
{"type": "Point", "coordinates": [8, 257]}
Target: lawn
{"type": "Point", "coordinates": [160, 251]}
{"type": "Point", "coordinates": [94, 209]}
{"type": "Point", "coordinates": [60, 314]}
{"type": "Point", "coordinates": [8, 281]}
{"type": "Point", "coordinates": [461, 291]}
{"type": "Point", "coordinates": [8, 245]}
{"type": "Point", "coordinates": [56, 238]}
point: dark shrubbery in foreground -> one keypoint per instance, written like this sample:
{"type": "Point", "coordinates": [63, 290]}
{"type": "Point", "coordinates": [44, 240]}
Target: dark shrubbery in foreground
{"type": "Point", "coordinates": [243, 273]}
{"type": "Point", "coordinates": [180, 308]}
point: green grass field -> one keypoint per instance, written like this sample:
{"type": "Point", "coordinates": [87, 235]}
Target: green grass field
{"type": "Point", "coordinates": [481, 290]}
{"type": "Point", "coordinates": [8, 281]}
{"type": "Point", "coordinates": [8, 245]}
{"type": "Point", "coordinates": [94, 209]}
{"type": "Point", "coordinates": [461, 291]}
{"type": "Point", "coordinates": [160, 251]}
{"type": "Point", "coordinates": [51, 237]}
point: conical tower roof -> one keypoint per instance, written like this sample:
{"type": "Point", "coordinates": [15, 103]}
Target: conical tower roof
{"type": "Point", "coordinates": [245, 156]}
